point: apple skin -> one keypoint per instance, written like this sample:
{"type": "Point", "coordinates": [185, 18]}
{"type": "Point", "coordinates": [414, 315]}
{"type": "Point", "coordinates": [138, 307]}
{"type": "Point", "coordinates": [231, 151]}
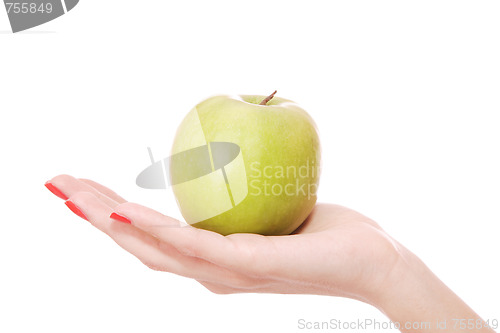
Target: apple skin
{"type": "Point", "coordinates": [280, 136]}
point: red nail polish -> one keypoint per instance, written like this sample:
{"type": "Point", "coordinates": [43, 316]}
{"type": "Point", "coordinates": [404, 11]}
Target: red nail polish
{"type": "Point", "coordinates": [75, 209]}
{"type": "Point", "coordinates": [55, 191]}
{"type": "Point", "coordinates": [120, 218]}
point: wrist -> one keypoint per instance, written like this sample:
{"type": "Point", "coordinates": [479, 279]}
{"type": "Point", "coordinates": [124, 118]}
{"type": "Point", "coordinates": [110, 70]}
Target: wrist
{"type": "Point", "coordinates": [413, 295]}
{"type": "Point", "coordinates": [409, 281]}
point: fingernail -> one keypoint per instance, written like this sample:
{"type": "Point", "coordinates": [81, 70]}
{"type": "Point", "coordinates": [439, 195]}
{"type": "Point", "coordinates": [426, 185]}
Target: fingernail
{"type": "Point", "coordinates": [55, 191]}
{"type": "Point", "coordinates": [75, 209]}
{"type": "Point", "coordinates": [120, 218]}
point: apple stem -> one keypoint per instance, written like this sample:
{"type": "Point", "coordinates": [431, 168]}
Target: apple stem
{"type": "Point", "coordinates": [268, 98]}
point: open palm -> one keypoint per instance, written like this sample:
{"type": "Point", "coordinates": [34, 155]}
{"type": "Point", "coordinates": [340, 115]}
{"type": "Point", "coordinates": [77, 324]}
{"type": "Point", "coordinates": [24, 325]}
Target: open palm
{"type": "Point", "coordinates": [336, 251]}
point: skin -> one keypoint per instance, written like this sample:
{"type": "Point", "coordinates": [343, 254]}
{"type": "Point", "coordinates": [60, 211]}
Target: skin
{"type": "Point", "coordinates": [336, 252]}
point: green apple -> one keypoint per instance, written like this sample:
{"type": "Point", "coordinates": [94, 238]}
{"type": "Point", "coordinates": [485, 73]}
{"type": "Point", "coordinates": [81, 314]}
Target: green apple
{"type": "Point", "coordinates": [260, 170]}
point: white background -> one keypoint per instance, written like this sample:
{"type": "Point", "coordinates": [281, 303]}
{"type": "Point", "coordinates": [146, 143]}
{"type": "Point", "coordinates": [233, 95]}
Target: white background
{"type": "Point", "coordinates": [405, 95]}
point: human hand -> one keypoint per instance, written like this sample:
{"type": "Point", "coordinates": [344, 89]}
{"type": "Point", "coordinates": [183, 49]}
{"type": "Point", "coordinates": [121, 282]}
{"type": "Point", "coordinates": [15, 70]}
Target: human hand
{"type": "Point", "coordinates": [336, 252]}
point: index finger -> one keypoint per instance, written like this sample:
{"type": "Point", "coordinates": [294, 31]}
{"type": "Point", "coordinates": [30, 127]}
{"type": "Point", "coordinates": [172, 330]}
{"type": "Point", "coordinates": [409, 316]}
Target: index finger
{"type": "Point", "coordinates": [247, 253]}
